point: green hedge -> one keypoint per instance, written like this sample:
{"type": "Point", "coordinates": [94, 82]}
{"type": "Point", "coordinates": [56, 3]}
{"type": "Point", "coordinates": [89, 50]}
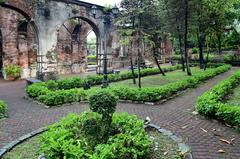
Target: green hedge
{"type": "Point", "coordinates": [3, 109]}
{"type": "Point", "coordinates": [59, 97]}
{"type": "Point", "coordinates": [214, 58]}
{"type": "Point", "coordinates": [77, 82]}
{"type": "Point", "coordinates": [211, 105]}
{"type": "Point", "coordinates": [80, 136]}
{"type": "Point", "coordinates": [92, 57]}
{"type": "Point", "coordinates": [163, 92]}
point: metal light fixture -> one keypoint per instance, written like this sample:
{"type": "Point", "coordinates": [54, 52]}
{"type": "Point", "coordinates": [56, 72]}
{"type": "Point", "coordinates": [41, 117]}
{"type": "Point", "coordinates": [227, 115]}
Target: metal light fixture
{"type": "Point", "coordinates": [107, 17]}
{"type": "Point", "coordinates": [94, 10]}
{"type": "Point", "coordinates": [115, 10]}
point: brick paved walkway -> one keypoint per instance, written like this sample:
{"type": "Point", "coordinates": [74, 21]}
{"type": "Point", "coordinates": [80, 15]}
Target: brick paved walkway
{"type": "Point", "coordinates": [175, 115]}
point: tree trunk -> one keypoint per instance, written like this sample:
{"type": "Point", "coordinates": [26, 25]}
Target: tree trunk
{"type": "Point", "coordinates": [206, 63]}
{"type": "Point", "coordinates": [201, 55]}
{"type": "Point", "coordinates": [180, 47]}
{"type": "Point", "coordinates": [139, 61]}
{"type": "Point", "coordinates": [186, 39]}
{"type": "Point", "coordinates": [132, 66]}
{"type": "Point", "coordinates": [219, 44]}
{"type": "Point", "coordinates": [156, 60]}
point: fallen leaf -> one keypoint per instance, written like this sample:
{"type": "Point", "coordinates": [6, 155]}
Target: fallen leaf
{"type": "Point", "coordinates": [165, 153]}
{"type": "Point", "coordinates": [221, 151]}
{"type": "Point", "coordinates": [232, 139]}
{"type": "Point", "coordinates": [228, 125]}
{"type": "Point", "coordinates": [226, 141]}
{"type": "Point", "coordinates": [184, 127]}
{"type": "Point", "coordinates": [204, 130]}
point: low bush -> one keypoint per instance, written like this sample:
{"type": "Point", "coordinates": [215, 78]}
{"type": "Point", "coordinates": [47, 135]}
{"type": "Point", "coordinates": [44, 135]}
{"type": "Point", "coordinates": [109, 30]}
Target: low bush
{"type": "Point", "coordinates": [77, 82]}
{"type": "Point", "coordinates": [92, 63]}
{"type": "Point", "coordinates": [92, 57]}
{"type": "Point", "coordinates": [81, 136]}
{"type": "Point", "coordinates": [13, 71]}
{"type": "Point", "coordinates": [60, 97]}
{"type": "Point", "coordinates": [156, 94]}
{"type": "Point", "coordinates": [210, 103]}
{"type": "Point", "coordinates": [3, 109]}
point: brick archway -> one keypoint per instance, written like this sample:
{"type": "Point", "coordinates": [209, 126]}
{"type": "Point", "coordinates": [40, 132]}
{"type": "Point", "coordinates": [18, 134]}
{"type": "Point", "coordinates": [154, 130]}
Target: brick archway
{"type": "Point", "coordinates": [71, 47]}
{"type": "Point", "coordinates": [18, 47]}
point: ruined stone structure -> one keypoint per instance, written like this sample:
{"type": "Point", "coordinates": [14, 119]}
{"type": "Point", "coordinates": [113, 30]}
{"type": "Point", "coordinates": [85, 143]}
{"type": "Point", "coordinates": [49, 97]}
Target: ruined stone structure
{"type": "Point", "coordinates": [46, 36]}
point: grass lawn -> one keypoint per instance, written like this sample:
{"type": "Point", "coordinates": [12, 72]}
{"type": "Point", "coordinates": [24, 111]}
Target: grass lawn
{"type": "Point", "coordinates": [234, 98]}
{"type": "Point", "coordinates": [26, 150]}
{"type": "Point", "coordinates": [158, 80]}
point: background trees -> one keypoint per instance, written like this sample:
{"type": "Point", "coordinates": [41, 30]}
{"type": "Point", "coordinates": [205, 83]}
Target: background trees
{"type": "Point", "coordinates": [203, 24]}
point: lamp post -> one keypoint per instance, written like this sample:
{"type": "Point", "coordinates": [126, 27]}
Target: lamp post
{"type": "Point", "coordinates": [107, 19]}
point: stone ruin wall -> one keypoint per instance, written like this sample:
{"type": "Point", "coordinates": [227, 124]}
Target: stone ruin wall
{"type": "Point", "coordinates": [18, 48]}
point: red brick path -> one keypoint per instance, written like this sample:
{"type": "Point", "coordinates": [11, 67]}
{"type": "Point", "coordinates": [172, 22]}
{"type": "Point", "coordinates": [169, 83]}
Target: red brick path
{"type": "Point", "coordinates": [175, 115]}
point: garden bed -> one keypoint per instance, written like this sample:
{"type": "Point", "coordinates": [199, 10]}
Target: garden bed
{"type": "Point", "coordinates": [3, 109]}
{"type": "Point", "coordinates": [50, 96]}
{"type": "Point", "coordinates": [211, 104]}
{"type": "Point", "coordinates": [165, 145]}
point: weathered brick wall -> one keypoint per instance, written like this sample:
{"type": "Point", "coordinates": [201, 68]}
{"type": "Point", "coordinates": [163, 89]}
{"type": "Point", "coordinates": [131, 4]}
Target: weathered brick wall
{"type": "Point", "coordinates": [72, 55]}
{"type": "Point", "coordinates": [19, 49]}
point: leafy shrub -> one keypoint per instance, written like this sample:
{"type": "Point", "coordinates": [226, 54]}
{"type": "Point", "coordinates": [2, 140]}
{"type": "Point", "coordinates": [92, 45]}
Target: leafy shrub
{"type": "Point", "coordinates": [61, 97]}
{"type": "Point", "coordinates": [13, 71]}
{"type": "Point", "coordinates": [77, 82]}
{"type": "Point", "coordinates": [163, 92]}
{"type": "Point", "coordinates": [3, 109]}
{"type": "Point", "coordinates": [80, 136]}
{"type": "Point", "coordinates": [37, 90]}
{"type": "Point", "coordinates": [92, 57]}
{"type": "Point", "coordinates": [103, 102]}
{"type": "Point", "coordinates": [210, 103]}
{"type": "Point", "coordinates": [92, 63]}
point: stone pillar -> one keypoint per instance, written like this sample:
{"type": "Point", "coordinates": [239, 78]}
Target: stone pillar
{"type": "Point", "coordinates": [23, 55]}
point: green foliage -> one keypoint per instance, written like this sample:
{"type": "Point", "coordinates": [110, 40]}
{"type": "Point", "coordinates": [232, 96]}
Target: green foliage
{"type": "Point", "coordinates": [151, 94]}
{"type": "Point", "coordinates": [210, 103]}
{"type": "Point", "coordinates": [163, 92]}
{"type": "Point", "coordinates": [13, 70]}
{"type": "Point", "coordinates": [92, 63]}
{"type": "Point", "coordinates": [80, 136]}
{"type": "Point", "coordinates": [60, 97]}
{"type": "Point", "coordinates": [3, 109]}
{"type": "Point", "coordinates": [92, 57]}
{"type": "Point", "coordinates": [2, 1]}
{"type": "Point", "coordinates": [37, 90]}
{"type": "Point", "coordinates": [76, 82]}
{"type": "Point", "coordinates": [103, 102]}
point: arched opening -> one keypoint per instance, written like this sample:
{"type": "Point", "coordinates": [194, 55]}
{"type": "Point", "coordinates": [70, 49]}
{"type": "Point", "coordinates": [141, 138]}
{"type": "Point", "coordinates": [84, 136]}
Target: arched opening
{"type": "Point", "coordinates": [77, 40]}
{"type": "Point", "coordinates": [1, 53]}
{"type": "Point", "coordinates": [20, 45]}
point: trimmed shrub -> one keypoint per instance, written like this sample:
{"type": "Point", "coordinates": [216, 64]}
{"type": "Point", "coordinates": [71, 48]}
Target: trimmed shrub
{"type": "Point", "coordinates": [59, 97]}
{"type": "Point", "coordinates": [3, 109]}
{"type": "Point", "coordinates": [103, 102]}
{"type": "Point", "coordinates": [80, 136]}
{"type": "Point", "coordinates": [210, 103]}
{"type": "Point", "coordinates": [77, 82]}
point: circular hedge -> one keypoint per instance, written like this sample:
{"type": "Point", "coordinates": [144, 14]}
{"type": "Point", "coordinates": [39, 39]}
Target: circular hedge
{"type": "Point", "coordinates": [82, 136]}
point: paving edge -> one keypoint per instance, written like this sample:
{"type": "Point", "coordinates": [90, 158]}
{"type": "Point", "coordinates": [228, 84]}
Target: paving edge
{"type": "Point", "coordinates": [18, 141]}
{"type": "Point", "coordinates": [183, 148]}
